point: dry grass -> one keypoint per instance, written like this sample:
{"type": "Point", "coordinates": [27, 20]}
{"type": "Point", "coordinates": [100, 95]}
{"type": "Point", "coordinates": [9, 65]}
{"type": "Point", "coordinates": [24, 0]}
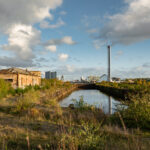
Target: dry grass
{"type": "Point", "coordinates": [40, 123]}
{"type": "Point", "coordinates": [47, 128]}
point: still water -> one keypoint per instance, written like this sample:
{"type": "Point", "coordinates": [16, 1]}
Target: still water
{"type": "Point", "coordinates": [93, 97]}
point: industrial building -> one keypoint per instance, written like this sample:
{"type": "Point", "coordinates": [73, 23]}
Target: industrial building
{"type": "Point", "coordinates": [20, 78]}
{"type": "Point", "coordinates": [50, 75]}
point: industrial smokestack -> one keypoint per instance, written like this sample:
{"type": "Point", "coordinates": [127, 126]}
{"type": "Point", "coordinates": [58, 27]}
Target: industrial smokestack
{"type": "Point", "coordinates": [109, 63]}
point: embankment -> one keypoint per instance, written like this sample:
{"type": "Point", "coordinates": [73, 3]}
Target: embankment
{"type": "Point", "coordinates": [60, 94]}
{"type": "Point", "coordinates": [123, 94]}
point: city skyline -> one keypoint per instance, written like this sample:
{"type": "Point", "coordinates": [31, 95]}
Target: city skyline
{"type": "Point", "coordinates": [71, 37]}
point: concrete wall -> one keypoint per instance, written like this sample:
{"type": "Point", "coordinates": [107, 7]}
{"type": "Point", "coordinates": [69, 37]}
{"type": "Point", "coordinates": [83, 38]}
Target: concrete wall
{"type": "Point", "coordinates": [26, 80]}
{"type": "Point", "coordinates": [12, 78]}
{"type": "Point", "coordinates": [21, 80]}
{"type": "Point", "coordinates": [36, 73]}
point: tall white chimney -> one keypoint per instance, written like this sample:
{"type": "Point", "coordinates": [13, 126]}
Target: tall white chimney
{"type": "Point", "coordinates": [109, 63]}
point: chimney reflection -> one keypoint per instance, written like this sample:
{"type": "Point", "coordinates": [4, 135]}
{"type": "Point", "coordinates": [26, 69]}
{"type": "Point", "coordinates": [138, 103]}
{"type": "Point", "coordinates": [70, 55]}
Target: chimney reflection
{"type": "Point", "coordinates": [110, 105]}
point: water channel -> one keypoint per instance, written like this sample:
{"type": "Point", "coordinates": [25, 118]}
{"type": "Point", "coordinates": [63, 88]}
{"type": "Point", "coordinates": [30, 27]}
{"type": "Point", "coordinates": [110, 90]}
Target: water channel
{"type": "Point", "coordinates": [93, 97]}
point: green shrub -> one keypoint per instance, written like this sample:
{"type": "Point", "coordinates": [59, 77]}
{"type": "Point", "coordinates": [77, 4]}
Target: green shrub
{"type": "Point", "coordinates": [26, 101]}
{"type": "Point", "coordinates": [81, 104]}
{"type": "Point", "coordinates": [5, 88]}
{"type": "Point", "coordinates": [54, 83]}
{"type": "Point", "coordinates": [37, 87]}
{"type": "Point", "coordinates": [137, 115]}
{"type": "Point", "coordinates": [21, 91]}
{"type": "Point", "coordinates": [89, 136]}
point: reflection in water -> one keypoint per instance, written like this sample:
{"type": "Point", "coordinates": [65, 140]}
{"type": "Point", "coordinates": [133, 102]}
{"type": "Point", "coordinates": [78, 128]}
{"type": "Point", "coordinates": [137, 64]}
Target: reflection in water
{"type": "Point", "coordinates": [93, 97]}
{"type": "Point", "coordinates": [110, 105]}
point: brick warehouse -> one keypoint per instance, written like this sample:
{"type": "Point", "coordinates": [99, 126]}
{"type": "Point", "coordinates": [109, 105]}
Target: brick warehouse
{"type": "Point", "coordinates": [20, 78]}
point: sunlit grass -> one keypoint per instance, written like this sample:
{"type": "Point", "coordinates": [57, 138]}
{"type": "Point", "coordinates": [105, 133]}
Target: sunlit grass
{"type": "Point", "coordinates": [35, 120]}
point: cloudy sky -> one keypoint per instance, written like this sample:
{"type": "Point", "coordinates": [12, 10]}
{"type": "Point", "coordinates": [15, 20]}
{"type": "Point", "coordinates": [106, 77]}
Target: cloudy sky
{"type": "Point", "coordinates": [70, 36]}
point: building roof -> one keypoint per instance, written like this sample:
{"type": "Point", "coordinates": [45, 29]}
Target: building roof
{"type": "Point", "coordinates": [16, 71]}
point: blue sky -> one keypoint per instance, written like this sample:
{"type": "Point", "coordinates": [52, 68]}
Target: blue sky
{"type": "Point", "coordinates": [70, 36]}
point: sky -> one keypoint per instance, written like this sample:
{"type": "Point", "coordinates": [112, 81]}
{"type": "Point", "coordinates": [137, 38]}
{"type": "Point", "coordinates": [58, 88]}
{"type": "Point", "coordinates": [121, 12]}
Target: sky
{"type": "Point", "coordinates": [71, 36]}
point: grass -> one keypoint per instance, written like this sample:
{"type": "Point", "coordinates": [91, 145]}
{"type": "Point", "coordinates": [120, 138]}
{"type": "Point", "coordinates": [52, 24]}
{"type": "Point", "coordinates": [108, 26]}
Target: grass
{"type": "Point", "coordinates": [48, 126]}
{"type": "Point", "coordinates": [34, 120]}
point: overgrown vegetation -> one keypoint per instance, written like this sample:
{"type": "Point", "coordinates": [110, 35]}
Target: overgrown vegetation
{"type": "Point", "coordinates": [125, 90]}
{"type": "Point", "coordinates": [33, 119]}
{"type": "Point", "coordinates": [137, 85]}
{"type": "Point", "coordinates": [137, 115]}
{"type": "Point", "coordinates": [26, 101]}
{"type": "Point", "coordinates": [51, 84]}
{"type": "Point", "coordinates": [82, 105]}
{"type": "Point", "coordinates": [47, 126]}
{"type": "Point", "coordinates": [5, 88]}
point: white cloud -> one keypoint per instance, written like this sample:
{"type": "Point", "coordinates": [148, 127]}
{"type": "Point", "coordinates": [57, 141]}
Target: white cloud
{"type": "Point", "coordinates": [17, 18]}
{"type": "Point", "coordinates": [21, 38]}
{"type": "Point", "coordinates": [21, 11]}
{"type": "Point", "coordinates": [45, 24]}
{"type": "Point", "coordinates": [130, 26]}
{"type": "Point", "coordinates": [68, 40]}
{"type": "Point", "coordinates": [65, 40]}
{"type": "Point", "coordinates": [52, 48]}
{"type": "Point", "coordinates": [63, 57]}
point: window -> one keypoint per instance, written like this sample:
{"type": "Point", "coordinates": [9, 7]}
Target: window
{"type": "Point", "coordinates": [9, 80]}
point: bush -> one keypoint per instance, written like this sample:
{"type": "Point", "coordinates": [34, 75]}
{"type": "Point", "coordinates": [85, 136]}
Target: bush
{"type": "Point", "coordinates": [26, 101]}
{"type": "Point", "coordinates": [5, 88]}
{"type": "Point", "coordinates": [21, 91]}
{"type": "Point", "coordinates": [82, 105]}
{"type": "Point", "coordinates": [48, 83]}
{"type": "Point", "coordinates": [137, 115]}
{"type": "Point", "coordinates": [88, 137]}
